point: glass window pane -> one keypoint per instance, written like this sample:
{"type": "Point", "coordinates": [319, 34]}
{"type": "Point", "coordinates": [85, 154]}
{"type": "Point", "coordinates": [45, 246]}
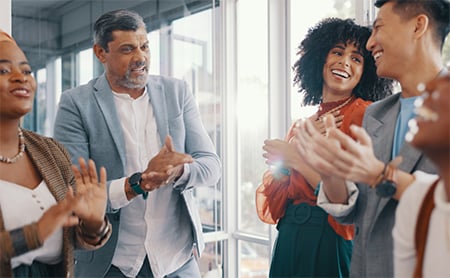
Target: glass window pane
{"type": "Point", "coordinates": [210, 262]}
{"type": "Point", "coordinates": [446, 51]}
{"type": "Point", "coordinates": [153, 38]}
{"type": "Point", "coordinates": [86, 66]}
{"type": "Point", "coordinates": [252, 106]}
{"type": "Point", "coordinates": [304, 15]}
{"type": "Point", "coordinates": [253, 260]}
{"type": "Point", "coordinates": [192, 61]}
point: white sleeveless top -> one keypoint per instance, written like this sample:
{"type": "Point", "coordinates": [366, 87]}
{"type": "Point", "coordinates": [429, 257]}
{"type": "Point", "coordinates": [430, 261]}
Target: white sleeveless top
{"type": "Point", "coordinates": [22, 206]}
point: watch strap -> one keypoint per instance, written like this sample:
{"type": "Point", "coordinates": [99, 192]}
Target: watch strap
{"type": "Point", "coordinates": [135, 184]}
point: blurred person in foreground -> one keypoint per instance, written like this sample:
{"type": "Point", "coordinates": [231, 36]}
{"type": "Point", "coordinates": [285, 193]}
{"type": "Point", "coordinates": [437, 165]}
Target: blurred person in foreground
{"type": "Point", "coordinates": [338, 74]}
{"type": "Point", "coordinates": [47, 206]}
{"type": "Point", "coordinates": [148, 133]}
{"type": "Point", "coordinates": [422, 226]}
{"type": "Point", "coordinates": [357, 182]}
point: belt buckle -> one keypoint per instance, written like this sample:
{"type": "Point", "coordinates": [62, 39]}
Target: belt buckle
{"type": "Point", "coordinates": [302, 213]}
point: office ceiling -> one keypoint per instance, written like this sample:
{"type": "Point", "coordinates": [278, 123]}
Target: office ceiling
{"type": "Point", "coordinates": [45, 28]}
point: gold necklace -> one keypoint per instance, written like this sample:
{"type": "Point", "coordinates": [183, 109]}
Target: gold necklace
{"type": "Point", "coordinates": [13, 159]}
{"type": "Point", "coordinates": [340, 106]}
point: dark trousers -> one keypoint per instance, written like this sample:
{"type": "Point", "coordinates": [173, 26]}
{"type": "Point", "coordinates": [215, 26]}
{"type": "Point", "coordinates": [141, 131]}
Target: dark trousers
{"type": "Point", "coordinates": [189, 269]}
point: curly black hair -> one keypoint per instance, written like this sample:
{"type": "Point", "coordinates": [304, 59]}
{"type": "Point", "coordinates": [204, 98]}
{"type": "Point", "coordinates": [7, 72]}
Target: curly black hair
{"type": "Point", "coordinates": [313, 51]}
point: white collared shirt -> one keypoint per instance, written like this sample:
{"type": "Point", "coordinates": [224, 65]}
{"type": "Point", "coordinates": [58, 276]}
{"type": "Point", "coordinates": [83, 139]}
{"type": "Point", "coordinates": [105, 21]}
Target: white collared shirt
{"type": "Point", "coordinates": [147, 227]}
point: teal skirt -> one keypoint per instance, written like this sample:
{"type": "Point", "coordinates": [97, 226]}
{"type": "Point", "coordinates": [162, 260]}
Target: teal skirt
{"type": "Point", "coordinates": [40, 270]}
{"type": "Point", "coordinates": [307, 246]}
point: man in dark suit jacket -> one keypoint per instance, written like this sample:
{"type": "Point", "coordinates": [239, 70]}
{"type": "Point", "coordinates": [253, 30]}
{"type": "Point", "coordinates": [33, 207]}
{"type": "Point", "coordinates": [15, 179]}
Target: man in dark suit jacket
{"type": "Point", "coordinates": [406, 44]}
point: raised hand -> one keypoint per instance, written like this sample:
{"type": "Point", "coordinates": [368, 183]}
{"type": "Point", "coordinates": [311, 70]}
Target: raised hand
{"type": "Point", "coordinates": [90, 193]}
{"type": "Point", "coordinates": [279, 151]}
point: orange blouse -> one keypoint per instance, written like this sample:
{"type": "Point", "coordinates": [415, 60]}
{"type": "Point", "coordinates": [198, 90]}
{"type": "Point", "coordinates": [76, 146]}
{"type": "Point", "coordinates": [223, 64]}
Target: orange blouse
{"type": "Point", "coordinates": [272, 195]}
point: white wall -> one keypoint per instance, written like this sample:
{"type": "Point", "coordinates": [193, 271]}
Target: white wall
{"type": "Point", "coordinates": [5, 16]}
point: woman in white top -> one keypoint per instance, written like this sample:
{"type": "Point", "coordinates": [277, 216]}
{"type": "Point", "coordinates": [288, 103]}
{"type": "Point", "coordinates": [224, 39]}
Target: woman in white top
{"type": "Point", "coordinates": [47, 206]}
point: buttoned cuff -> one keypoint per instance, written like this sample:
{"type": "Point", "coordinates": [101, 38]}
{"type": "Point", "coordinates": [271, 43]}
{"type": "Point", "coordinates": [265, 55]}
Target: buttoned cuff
{"type": "Point", "coordinates": [338, 210]}
{"type": "Point", "coordinates": [117, 196]}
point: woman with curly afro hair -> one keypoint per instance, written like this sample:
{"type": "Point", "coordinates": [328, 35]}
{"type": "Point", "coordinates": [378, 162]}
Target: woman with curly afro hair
{"type": "Point", "coordinates": [337, 73]}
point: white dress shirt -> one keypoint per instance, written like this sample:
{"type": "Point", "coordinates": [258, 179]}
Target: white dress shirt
{"type": "Point", "coordinates": [22, 206]}
{"type": "Point", "coordinates": [145, 225]}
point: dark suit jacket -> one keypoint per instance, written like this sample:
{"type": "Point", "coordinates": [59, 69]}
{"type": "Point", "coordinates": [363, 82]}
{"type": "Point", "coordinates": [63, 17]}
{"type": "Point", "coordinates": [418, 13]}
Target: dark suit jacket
{"type": "Point", "coordinates": [373, 216]}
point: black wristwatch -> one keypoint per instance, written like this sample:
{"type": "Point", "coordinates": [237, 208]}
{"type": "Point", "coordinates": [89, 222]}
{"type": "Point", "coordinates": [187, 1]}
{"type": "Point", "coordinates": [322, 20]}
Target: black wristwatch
{"type": "Point", "coordinates": [135, 184]}
{"type": "Point", "coordinates": [386, 188]}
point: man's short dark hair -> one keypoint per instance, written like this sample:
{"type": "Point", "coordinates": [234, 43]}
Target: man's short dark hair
{"type": "Point", "coordinates": [438, 11]}
{"type": "Point", "coordinates": [124, 20]}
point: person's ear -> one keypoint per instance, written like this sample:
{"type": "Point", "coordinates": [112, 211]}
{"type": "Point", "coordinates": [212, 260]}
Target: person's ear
{"type": "Point", "coordinates": [421, 25]}
{"type": "Point", "coordinates": [100, 53]}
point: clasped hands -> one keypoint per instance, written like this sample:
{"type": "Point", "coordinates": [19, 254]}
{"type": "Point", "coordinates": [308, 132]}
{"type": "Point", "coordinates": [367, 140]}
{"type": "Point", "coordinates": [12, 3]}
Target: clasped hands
{"type": "Point", "coordinates": [165, 167]}
{"type": "Point", "coordinates": [283, 154]}
{"type": "Point", "coordinates": [348, 157]}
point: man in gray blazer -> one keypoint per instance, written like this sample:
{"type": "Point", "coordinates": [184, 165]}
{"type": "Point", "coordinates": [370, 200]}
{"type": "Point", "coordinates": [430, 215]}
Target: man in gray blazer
{"type": "Point", "coordinates": [147, 132]}
{"type": "Point", "coordinates": [406, 44]}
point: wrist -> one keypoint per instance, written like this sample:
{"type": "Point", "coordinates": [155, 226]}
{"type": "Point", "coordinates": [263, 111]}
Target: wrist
{"type": "Point", "coordinates": [386, 186]}
{"type": "Point", "coordinates": [379, 171]}
{"type": "Point", "coordinates": [94, 234]}
{"type": "Point", "coordinates": [134, 182]}
{"type": "Point", "coordinates": [129, 192]}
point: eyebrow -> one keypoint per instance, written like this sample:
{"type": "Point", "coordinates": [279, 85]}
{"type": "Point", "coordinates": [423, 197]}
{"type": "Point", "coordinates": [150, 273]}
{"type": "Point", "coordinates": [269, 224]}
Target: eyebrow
{"type": "Point", "coordinates": [134, 45]}
{"type": "Point", "coordinates": [5, 61]}
{"type": "Point", "coordinates": [341, 46]}
{"type": "Point", "coordinates": [375, 22]}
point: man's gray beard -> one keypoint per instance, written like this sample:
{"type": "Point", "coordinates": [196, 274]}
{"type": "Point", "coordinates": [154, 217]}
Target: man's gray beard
{"type": "Point", "coordinates": [137, 83]}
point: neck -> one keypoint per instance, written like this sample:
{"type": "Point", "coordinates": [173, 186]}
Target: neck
{"type": "Point", "coordinates": [8, 131]}
{"type": "Point", "coordinates": [332, 97]}
{"type": "Point", "coordinates": [9, 140]}
{"type": "Point", "coordinates": [117, 88]}
{"type": "Point", "coordinates": [422, 71]}
{"type": "Point", "coordinates": [445, 176]}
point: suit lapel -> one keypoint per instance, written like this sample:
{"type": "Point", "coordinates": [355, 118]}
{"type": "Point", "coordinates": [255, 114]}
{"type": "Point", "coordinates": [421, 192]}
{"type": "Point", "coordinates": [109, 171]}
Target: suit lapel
{"type": "Point", "coordinates": [383, 140]}
{"type": "Point", "coordinates": [158, 101]}
{"type": "Point", "coordinates": [381, 127]}
{"type": "Point", "coordinates": [105, 100]}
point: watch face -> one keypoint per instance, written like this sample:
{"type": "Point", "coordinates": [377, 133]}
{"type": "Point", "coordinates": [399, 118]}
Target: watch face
{"type": "Point", "coordinates": [386, 188]}
{"type": "Point", "coordinates": [135, 178]}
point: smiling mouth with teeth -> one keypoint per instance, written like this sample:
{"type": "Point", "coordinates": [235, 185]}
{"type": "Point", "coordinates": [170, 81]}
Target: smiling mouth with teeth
{"type": "Point", "coordinates": [377, 55]}
{"type": "Point", "coordinates": [342, 74]}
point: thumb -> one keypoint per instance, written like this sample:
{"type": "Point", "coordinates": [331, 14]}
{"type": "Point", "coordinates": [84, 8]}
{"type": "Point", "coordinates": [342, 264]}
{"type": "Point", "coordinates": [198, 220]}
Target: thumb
{"type": "Point", "coordinates": [169, 144]}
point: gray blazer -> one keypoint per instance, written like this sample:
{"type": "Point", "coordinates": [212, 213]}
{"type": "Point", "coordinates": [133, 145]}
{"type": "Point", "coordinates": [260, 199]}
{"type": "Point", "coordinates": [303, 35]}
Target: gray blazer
{"type": "Point", "coordinates": [87, 124]}
{"type": "Point", "coordinates": [373, 216]}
